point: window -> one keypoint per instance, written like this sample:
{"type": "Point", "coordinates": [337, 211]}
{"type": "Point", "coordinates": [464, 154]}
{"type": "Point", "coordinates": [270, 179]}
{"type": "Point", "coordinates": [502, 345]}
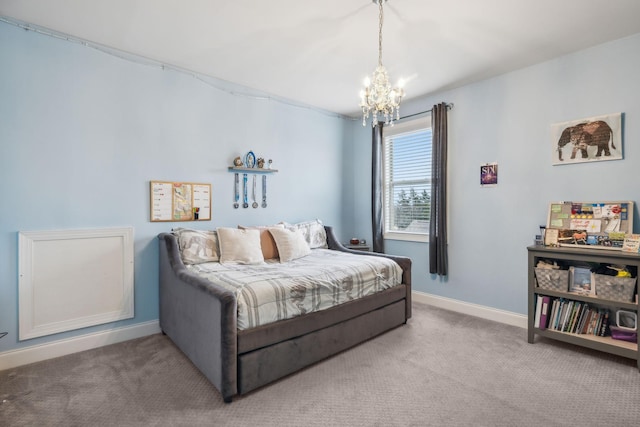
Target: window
{"type": "Point", "coordinates": [407, 180]}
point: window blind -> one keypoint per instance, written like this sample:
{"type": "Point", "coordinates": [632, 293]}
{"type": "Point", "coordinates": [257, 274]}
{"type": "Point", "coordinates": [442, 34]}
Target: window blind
{"type": "Point", "coordinates": [407, 181]}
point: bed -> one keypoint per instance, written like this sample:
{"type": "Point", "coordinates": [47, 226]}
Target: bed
{"type": "Point", "coordinates": [240, 346]}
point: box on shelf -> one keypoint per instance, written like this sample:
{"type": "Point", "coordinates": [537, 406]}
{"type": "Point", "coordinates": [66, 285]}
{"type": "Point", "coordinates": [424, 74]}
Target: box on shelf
{"type": "Point", "coordinates": [556, 280]}
{"type": "Point", "coordinates": [615, 288]}
{"type": "Point", "coordinates": [623, 334]}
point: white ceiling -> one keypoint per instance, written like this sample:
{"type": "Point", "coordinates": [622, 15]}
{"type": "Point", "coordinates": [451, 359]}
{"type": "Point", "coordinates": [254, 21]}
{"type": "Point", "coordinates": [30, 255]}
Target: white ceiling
{"type": "Point", "coordinates": [318, 52]}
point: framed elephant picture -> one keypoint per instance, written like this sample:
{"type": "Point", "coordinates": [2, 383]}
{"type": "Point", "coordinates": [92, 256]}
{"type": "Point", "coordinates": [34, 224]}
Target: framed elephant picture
{"type": "Point", "coordinates": [594, 139]}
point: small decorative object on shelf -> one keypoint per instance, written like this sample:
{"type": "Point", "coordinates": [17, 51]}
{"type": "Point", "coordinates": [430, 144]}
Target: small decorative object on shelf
{"type": "Point", "coordinates": [237, 162]}
{"type": "Point", "coordinates": [354, 241]}
{"type": "Point", "coordinates": [250, 160]}
{"type": "Point", "coordinates": [260, 162]}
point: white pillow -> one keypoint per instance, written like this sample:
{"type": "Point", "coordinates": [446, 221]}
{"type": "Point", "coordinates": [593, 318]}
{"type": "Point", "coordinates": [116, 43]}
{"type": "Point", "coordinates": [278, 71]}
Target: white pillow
{"type": "Point", "coordinates": [313, 232]}
{"type": "Point", "coordinates": [197, 246]}
{"type": "Point", "coordinates": [239, 246]}
{"type": "Point", "coordinates": [291, 244]}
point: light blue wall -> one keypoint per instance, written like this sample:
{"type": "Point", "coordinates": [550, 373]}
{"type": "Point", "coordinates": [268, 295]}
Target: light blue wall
{"type": "Point", "coordinates": [82, 132]}
{"type": "Point", "coordinates": [507, 119]}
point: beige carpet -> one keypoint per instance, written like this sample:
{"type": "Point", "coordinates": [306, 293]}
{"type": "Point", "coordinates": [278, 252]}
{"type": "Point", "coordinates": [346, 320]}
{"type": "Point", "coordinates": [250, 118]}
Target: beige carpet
{"type": "Point", "coordinates": [441, 369]}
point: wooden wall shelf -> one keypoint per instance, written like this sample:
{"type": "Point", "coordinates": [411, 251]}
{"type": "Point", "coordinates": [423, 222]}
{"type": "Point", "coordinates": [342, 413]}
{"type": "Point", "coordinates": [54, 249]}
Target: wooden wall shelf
{"type": "Point", "coordinates": [251, 170]}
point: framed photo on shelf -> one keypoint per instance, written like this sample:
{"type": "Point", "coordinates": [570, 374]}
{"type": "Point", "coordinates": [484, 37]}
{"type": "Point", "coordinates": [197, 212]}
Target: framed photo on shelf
{"type": "Point", "coordinates": [580, 280]}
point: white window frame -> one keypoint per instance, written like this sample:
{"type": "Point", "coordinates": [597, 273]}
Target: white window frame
{"type": "Point", "coordinates": [389, 131]}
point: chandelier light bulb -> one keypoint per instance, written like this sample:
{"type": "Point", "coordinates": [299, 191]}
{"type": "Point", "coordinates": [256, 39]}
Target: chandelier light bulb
{"type": "Point", "coordinates": [378, 97]}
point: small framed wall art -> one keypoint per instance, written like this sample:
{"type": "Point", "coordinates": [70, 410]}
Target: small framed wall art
{"type": "Point", "coordinates": [489, 175]}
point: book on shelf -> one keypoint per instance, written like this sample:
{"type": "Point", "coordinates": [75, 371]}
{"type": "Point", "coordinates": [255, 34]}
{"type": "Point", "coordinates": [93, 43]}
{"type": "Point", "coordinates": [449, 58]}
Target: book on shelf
{"type": "Point", "coordinates": [575, 317]}
{"type": "Point", "coordinates": [565, 317]}
{"type": "Point", "coordinates": [544, 313]}
{"type": "Point", "coordinates": [552, 309]}
{"type": "Point", "coordinates": [536, 321]}
{"type": "Point", "coordinates": [595, 321]}
{"type": "Point", "coordinates": [605, 324]}
{"type": "Point", "coordinates": [577, 307]}
{"type": "Point", "coordinates": [587, 322]}
{"type": "Point", "coordinates": [592, 321]}
{"type": "Point", "coordinates": [562, 310]}
{"type": "Point", "coordinates": [596, 328]}
{"type": "Point", "coordinates": [583, 308]}
{"type": "Point", "coordinates": [583, 315]}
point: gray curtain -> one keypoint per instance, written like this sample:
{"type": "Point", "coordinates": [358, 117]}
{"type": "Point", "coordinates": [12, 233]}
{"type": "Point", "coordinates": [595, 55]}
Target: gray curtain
{"type": "Point", "coordinates": [438, 259]}
{"type": "Point", "coordinates": [376, 189]}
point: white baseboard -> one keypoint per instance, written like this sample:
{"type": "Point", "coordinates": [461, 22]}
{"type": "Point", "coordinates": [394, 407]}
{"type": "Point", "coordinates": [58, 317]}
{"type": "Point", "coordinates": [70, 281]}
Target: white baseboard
{"type": "Point", "coordinates": [484, 312]}
{"type": "Point", "coordinates": [24, 356]}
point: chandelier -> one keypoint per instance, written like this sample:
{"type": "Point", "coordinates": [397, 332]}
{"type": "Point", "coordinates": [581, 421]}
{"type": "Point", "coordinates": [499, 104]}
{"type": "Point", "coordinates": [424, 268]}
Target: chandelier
{"type": "Point", "coordinates": [378, 98]}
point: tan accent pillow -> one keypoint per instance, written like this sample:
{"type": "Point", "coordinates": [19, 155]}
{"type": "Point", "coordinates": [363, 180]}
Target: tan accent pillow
{"type": "Point", "coordinates": [239, 246]}
{"type": "Point", "coordinates": [268, 245]}
{"type": "Point", "coordinates": [197, 246]}
{"type": "Point", "coordinates": [291, 244]}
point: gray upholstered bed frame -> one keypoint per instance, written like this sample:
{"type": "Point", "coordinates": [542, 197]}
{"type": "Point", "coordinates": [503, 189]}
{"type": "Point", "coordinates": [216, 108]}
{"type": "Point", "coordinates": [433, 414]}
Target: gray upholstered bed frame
{"type": "Point", "coordinates": [200, 318]}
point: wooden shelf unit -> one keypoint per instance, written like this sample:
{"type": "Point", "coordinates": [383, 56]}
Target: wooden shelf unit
{"type": "Point", "coordinates": [580, 255]}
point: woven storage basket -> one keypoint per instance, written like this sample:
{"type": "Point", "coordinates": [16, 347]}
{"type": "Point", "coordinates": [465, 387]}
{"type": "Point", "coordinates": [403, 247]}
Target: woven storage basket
{"type": "Point", "coordinates": [556, 280]}
{"type": "Point", "coordinates": [615, 288]}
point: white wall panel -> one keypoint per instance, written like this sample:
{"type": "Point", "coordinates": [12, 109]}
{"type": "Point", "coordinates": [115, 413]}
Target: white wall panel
{"type": "Point", "coordinates": [71, 279]}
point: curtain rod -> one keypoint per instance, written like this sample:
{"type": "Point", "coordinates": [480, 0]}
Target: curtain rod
{"type": "Point", "coordinates": [449, 107]}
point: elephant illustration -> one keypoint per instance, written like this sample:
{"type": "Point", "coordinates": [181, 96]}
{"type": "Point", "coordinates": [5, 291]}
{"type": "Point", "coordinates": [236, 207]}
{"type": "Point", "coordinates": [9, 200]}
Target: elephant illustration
{"type": "Point", "coordinates": [584, 135]}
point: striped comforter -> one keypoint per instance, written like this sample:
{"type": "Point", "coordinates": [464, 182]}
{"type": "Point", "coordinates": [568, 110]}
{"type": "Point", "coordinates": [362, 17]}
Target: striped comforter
{"type": "Point", "coordinates": [273, 291]}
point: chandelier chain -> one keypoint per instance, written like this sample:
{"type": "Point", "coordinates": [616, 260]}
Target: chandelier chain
{"type": "Point", "coordinates": [380, 19]}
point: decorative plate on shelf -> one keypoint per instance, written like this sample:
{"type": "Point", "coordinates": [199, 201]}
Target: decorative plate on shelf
{"type": "Point", "coordinates": [250, 160]}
